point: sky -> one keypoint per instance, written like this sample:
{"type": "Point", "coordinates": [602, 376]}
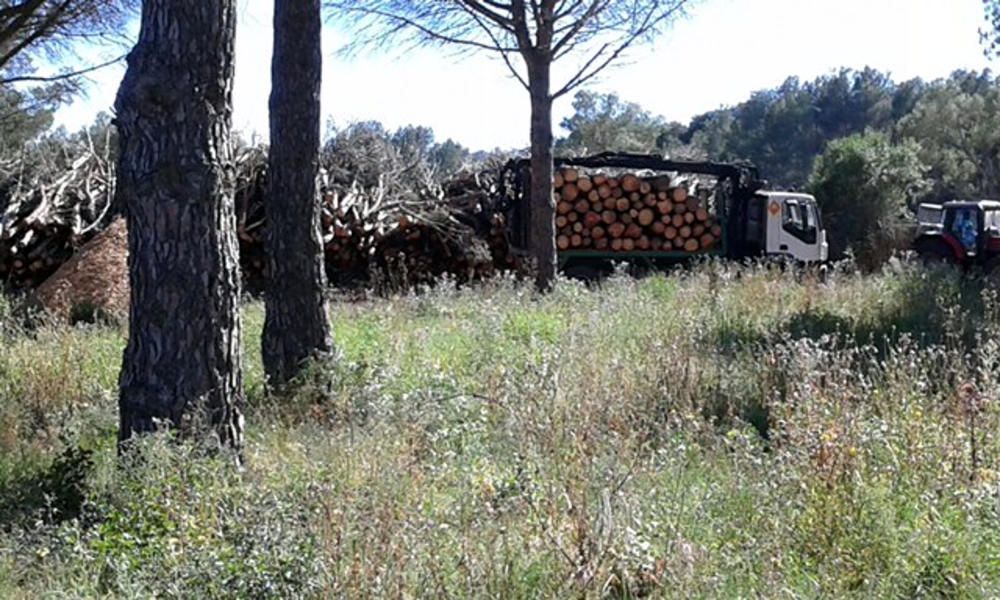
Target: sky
{"type": "Point", "coordinates": [716, 56]}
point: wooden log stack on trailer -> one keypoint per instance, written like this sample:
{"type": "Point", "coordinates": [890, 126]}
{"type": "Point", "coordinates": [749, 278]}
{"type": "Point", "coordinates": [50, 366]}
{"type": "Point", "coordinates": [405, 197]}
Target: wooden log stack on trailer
{"type": "Point", "coordinates": [630, 212]}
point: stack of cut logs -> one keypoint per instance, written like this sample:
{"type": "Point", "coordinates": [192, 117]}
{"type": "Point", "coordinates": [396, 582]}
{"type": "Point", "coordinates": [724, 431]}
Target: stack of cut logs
{"type": "Point", "coordinates": [629, 213]}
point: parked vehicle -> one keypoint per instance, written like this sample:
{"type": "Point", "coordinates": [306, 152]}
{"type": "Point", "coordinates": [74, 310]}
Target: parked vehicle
{"type": "Point", "coordinates": [965, 233]}
{"type": "Point", "coordinates": [655, 212]}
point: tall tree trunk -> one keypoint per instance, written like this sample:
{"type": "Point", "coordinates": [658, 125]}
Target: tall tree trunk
{"type": "Point", "coordinates": [542, 233]}
{"type": "Point", "coordinates": [182, 366]}
{"type": "Point", "coordinates": [296, 325]}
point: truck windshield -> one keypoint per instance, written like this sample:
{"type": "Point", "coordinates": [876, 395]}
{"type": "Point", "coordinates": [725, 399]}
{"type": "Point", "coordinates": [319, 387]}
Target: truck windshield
{"type": "Point", "coordinates": [800, 220]}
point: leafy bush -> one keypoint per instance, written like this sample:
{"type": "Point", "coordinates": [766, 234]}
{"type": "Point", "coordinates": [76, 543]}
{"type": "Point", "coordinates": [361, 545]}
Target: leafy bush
{"type": "Point", "coordinates": [864, 185]}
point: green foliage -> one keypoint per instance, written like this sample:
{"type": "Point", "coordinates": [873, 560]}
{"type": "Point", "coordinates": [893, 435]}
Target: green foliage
{"type": "Point", "coordinates": [990, 36]}
{"type": "Point", "coordinates": [605, 123]}
{"type": "Point", "coordinates": [957, 122]}
{"type": "Point", "coordinates": [366, 152]}
{"type": "Point", "coordinates": [23, 117]}
{"type": "Point", "coordinates": [864, 184]}
{"type": "Point", "coordinates": [782, 130]}
{"type": "Point", "coordinates": [725, 432]}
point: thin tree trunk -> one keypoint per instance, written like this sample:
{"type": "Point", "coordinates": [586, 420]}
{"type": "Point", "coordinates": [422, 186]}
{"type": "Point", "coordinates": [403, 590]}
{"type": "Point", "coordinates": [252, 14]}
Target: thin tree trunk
{"type": "Point", "coordinates": [542, 234]}
{"type": "Point", "coordinates": [296, 325]}
{"type": "Point", "coordinates": [182, 366]}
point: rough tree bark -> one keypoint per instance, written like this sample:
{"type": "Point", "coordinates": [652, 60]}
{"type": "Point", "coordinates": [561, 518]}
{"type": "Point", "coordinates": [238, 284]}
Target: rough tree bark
{"type": "Point", "coordinates": [182, 366]}
{"type": "Point", "coordinates": [296, 325]}
{"type": "Point", "coordinates": [542, 234]}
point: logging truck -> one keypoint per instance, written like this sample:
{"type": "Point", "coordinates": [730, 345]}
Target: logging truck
{"type": "Point", "coordinates": [653, 213]}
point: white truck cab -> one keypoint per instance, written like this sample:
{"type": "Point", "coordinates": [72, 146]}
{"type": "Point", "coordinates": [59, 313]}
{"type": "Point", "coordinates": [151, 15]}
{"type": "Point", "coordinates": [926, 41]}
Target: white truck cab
{"type": "Point", "coordinates": [794, 227]}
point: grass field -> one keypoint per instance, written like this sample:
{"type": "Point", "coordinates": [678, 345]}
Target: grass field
{"type": "Point", "coordinates": [719, 434]}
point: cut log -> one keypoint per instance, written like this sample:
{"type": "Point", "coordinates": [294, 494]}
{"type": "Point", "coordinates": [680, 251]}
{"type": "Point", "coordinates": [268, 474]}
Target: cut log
{"type": "Point", "coordinates": [562, 242]}
{"type": "Point", "coordinates": [680, 194]}
{"type": "Point", "coordinates": [691, 246]}
{"type": "Point", "coordinates": [661, 184]}
{"type": "Point", "coordinates": [646, 217]}
{"type": "Point", "coordinates": [584, 184]}
{"type": "Point", "coordinates": [570, 175]}
{"type": "Point", "coordinates": [569, 192]}
{"type": "Point", "coordinates": [631, 183]}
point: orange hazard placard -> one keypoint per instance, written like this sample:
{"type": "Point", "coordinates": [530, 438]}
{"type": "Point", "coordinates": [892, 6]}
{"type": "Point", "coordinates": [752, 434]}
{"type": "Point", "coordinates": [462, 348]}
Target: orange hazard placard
{"type": "Point", "coordinates": [774, 208]}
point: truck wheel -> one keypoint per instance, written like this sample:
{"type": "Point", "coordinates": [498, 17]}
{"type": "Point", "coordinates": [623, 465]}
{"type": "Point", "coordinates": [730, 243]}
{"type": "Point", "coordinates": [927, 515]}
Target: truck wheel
{"type": "Point", "coordinates": [934, 252]}
{"type": "Point", "coordinates": [991, 272]}
{"type": "Point", "coordinates": [585, 273]}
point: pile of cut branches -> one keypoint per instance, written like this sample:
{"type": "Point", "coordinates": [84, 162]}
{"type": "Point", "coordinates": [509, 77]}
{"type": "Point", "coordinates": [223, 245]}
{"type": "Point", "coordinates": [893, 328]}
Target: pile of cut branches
{"type": "Point", "coordinates": [49, 207]}
{"type": "Point", "coordinates": [401, 228]}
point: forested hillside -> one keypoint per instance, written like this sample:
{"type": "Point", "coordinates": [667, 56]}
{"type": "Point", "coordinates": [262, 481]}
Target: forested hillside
{"type": "Point", "coordinates": [955, 121]}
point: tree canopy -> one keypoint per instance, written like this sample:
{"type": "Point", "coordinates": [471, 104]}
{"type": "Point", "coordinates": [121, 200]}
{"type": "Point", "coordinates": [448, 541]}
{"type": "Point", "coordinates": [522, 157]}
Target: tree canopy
{"type": "Point", "coordinates": [47, 31]}
{"type": "Point", "coordinates": [605, 122]}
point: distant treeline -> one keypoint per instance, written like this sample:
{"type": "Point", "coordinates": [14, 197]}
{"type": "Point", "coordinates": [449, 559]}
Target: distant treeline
{"type": "Point", "coordinates": [955, 122]}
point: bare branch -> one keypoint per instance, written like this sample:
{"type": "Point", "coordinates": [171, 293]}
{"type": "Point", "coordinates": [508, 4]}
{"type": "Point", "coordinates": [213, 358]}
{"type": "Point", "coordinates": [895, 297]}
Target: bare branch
{"type": "Point", "coordinates": [61, 76]}
{"type": "Point", "coordinates": [650, 21]}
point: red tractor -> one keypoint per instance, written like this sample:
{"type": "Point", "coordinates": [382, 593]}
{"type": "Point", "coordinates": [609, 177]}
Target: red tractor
{"type": "Point", "coordinates": [961, 233]}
